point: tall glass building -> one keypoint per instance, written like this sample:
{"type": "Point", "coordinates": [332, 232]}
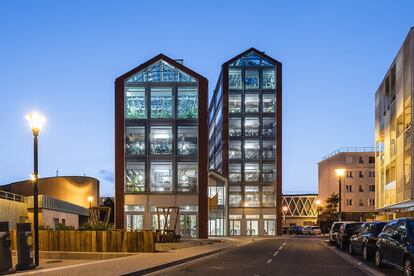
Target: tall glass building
{"type": "Point", "coordinates": [160, 152]}
{"type": "Point", "coordinates": [245, 142]}
{"type": "Point", "coordinates": [394, 191]}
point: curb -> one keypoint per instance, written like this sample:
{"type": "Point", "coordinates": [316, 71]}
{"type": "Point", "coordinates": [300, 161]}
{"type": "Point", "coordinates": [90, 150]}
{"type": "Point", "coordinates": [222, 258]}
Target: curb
{"type": "Point", "coordinates": [175, 263]}
{"type": "Point", "coordinates": [356, 263]}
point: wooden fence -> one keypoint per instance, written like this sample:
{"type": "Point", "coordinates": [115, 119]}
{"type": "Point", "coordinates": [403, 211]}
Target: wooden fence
{"type": "Point", "coordinates": [93, 241]}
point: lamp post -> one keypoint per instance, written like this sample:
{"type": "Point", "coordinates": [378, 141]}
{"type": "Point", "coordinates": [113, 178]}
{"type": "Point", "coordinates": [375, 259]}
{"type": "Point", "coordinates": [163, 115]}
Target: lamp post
{"type": "Point", "coordinates": [284, 209]}
{"type": "Point", "coordinates": [90, 199]}
{"type": "Point", "coordinates": [339, 174]}
{"type": "Point", "coordinates": [318, 203]}
{"type": "Point", "coordinates": [36, 123]}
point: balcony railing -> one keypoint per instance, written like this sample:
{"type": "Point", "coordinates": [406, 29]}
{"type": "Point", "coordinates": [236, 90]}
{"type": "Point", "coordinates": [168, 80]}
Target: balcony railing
{"type": "Point", "coordinates": [349, 149]}
{"type": "Point", "coordinates": [11, 196]}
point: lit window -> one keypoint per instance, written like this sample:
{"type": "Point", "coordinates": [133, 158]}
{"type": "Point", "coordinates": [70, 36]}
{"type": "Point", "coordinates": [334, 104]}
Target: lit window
{"type": "Point", "coordinates": [235, 173]}
{"type": "Point", "coordinates": [134, 222]}
{"type": "Point", "coordinates": [235, 80]}
{"type": "Point", "coordinates": [235, 199]}
{"type": "Point", "coordinates": [269, 79]}
{"type": "Point", "coordinates": [269, 149]}
{"type": "Point", "coordinates": [269, 103]}
{"type": "Point", "coordinates": [269, 126]}
{"type": "Point", "coordinates": [251, 103]}
{"type": "Point", "coordinates": [251, 149]}
{"type": "Point", "coordinates": [251, 172]}
{"type": "Point", "coordinates": [235, 126]}
{"type": "Point", "coordinates": [187, 177]}
{"type": "Point", "coordinates": [235, 150]}
{"type": "Point", "coordinates": [161, 221]}
{"type": "Point", "coordinates": [161, 177]}
{"type": "Point", "coordinates": [161, 140]}
{"type": "Point", "coordinates": [251, 126]}
{"type": "Point", "coordinates": [251, 196]}
{"type": "Point", "coordinates": [161, 102]}
{"type": "Point", "coordinates": [135, 177]}
{"type": "Point", "coordinates": [135, 103]}
{"type": "Point", "coordinates": [251, 79]}
{"type": "Point", "coordinates": [187, 140]}
{"type": "Point", "coordinates": [234, 103]}
{"type": "Point", "coordinates": [187, 101]}
{"type": "Point", "coordinates": [269, 172]}
{"type": "Point", "coordinates": [135, 141]}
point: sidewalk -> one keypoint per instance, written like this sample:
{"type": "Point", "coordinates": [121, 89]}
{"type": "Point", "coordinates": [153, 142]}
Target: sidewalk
{"type": "Point", "coordinates": [142, 262]}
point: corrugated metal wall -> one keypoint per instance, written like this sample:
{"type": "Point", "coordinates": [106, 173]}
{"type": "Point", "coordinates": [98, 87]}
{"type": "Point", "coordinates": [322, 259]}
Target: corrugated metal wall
{"type": "Point", "coordinates": [12, 211]}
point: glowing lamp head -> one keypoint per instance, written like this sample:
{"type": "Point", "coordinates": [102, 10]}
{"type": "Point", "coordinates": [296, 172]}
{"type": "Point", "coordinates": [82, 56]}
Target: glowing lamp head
{"type": "Point", "coordinates": [90, 199]}
{"type": "Point", "coordinates": [33, 177]}
{"type": "Point", "coordinates": [340, 172]}
{"type": "Point", "coordinates": [318, 202]}
{"type": "Point", "coordinates": [36, 122]}
{"type": "Point", "coordinates": [285, 209]}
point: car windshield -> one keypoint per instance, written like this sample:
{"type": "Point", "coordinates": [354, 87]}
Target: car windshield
{"type": "Point", "coordinates": [336, 226]}
{"type": "Point", "coordinates": [378, 228]}
{"type": "Point", "coordinates": [353, 226]}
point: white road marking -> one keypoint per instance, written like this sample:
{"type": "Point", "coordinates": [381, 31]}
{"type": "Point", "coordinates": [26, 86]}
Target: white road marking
{"type": "Point", "coordinates": [284, 243]}
{"type": "Point", "coordinates": [277, 252]}
{"type": "Point", "coordinates": [269, 261]}
{"type": "Point", "coordinates": [280, 248]}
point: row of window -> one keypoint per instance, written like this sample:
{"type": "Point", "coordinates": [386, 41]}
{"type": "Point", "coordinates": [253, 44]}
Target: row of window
{"type": "Point", "coordinates": [252, 172]}
{"type": "Point", "coordinates": [348, 188]}
{"type": "Point", "coordinates": [161, 103]}
{"type": "Point", "coordinates": [251, 126]}
{"type": "Point", "coordinates": [252, 149]}
{"type": "Point", "coordinates": [350, 160]}
{"type": "Point", "coordinates": [252, 199]}
{"type": "Point", "coordinates": [350, 174]}
{"type": "Point", "coordinates": [161, 140]}
{"type": "Point", "coordinates": [251, 103]}
{"type": "Point", "coordinates": [161, 177]}
{"type": "Point", "coordinates": [252, 227]}
{"type": "Point", "coordinates": [250, 79]}
{"type": "Point", "coordinates": [370, 202]}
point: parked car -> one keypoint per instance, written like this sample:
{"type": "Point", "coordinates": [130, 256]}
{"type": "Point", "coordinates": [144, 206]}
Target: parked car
{"type": "Point", "coordinates": [365, 240]}
{"type": "Point", "coordinates": [334, 229]}
{"type": "Point", "coordinates": [312, 230]}
{"type": "Point", "coordinates": [395, 245]}
{"type": "Point", "coordinates": [346, 231]}
{"type": "Point", "coordinates": [295, 230]}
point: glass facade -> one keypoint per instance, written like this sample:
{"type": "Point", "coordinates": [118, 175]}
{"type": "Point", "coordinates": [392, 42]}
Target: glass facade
{"type": "Point", "coordinates": [161, 177]}
{"type": "Point", "coordinates": [161, 102]}
{"type": "Point", "coordinates": [187, 140]}
{"type": "Point", "coordinates": [135, 177]}
{"type": "Point", "coordinates": [135, 141]}
{"type": "Point", "coordinates": [161, 140]}
{"type": "Point", "coordinates": [135, 103]}
{"type": "Point", "coordinates": [187, 103]}
{"type": "Point", "coordinates": [187, 177]}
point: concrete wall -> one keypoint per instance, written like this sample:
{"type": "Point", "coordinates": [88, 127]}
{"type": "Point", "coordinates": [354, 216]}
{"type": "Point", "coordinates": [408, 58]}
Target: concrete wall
{"type": "Point", "coordinates": [13, 212]}
{"type": "Point", "coordinates": [46, 218]}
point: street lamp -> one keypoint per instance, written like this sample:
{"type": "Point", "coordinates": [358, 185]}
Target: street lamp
{"type": "Point", "coordinates": [284, 209]}
{"type": "Point", "coordinates": [36, 122]}
{"type": "Point", "coordinates": [339, 174]}
{"type": "Point", "coordinates": [90, 199]}
{"type": "Point", "coordinates": [318, 203]}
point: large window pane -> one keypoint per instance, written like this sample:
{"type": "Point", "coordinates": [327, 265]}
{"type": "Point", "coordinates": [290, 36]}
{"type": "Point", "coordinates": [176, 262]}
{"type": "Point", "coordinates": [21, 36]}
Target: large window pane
{"type": "Point", "coordinates": [187, 140]}
{"type": "Point", "coordinates": [251, 103]}
{"type": "Point", "coordinates": [187, 177]}
{"type": "Point", "coordinates": [251, 126]}
{"type": "Point", "coordinates": [269, 79]}
{"type": "Point", "coordinates": [251, 79]}
{"type": "Point", "coordinates": [161, 102]}
{"type": "Point", "coordinates": [269, 103]}
{"type": "Point", "coordinates": [235, 199]}
{"type": "Point", "coordinates": [269, 149]}
{"type": "Point", "coordinates": [187, 102]}
{"type": "Point", "coordinates": [251, 172]}
{"type": "Point", "coordinates": [251, 149]}
{"type": "Point", "coordinates": [235, 79]}
{"type": "Point", "coordinates": [135, 141]}
{"type": "Point", "coordinates": [235, 150]}
{"type": "Point", "coordinates": [268, 196]}
{"type": "Point", "coordinates": [269, 172]}
{"type": "Point", "coordinates": [235, 173]}
{"type": "Point", "coordinates": [234, 103]}
{"type": "Point", "coordinates": [161, 140]}
{"type": "Point", "coordinates": [235, 126]}
{"type": "Point", "coordinates": [251, 196]}
{"type": "Point", "coordinates": [134, 222]}
{"type": "Point", "coordinates": [269, 126]}
{"type": "Point", "coordinates": [135, 177]}
{"type": "Point", "coordinates": [135, 103]}
{"type": "Point", "coordinates": [161, 177]}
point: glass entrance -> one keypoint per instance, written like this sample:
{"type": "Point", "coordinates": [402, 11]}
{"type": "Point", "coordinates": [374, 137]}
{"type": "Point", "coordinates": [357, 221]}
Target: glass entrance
{"type": "Point", "coordinates": [252, 228]}
{"type": "Point", "coordinates": [269, 227]}
{"type": "Point", "coordinates": [188, 226]}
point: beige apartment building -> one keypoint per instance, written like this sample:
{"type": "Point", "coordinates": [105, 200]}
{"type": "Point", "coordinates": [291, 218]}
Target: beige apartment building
{"type": "Point", "coordinates": [394, 134]}
{"type": "Point", "coordinates": [357, 183]}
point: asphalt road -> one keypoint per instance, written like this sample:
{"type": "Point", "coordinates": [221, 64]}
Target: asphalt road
{"type": "Point", "coordinates": [290, 256]}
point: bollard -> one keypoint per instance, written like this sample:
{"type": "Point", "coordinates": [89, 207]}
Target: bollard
{"type": "Point", "coordinates": [24, 247]}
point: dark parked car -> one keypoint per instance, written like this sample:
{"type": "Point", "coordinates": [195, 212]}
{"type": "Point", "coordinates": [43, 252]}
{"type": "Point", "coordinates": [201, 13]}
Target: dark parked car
{"type": "Point", "coordinates": [334, 229]}
{"type": "Point", "coordinates": [395, 245]}
{"type": "Point", "coordinates": [365, 240]}
{"type": "Point", "coordinates": [295, 230]}
{"type": "Point", "coordinates": [345, 232]}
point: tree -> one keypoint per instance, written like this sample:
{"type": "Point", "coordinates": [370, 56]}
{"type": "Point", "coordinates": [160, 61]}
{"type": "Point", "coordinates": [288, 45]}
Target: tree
{"type": "Point", "coordinates": [108, 202]}
{"type": "Point", "coordinates": [329, 212]}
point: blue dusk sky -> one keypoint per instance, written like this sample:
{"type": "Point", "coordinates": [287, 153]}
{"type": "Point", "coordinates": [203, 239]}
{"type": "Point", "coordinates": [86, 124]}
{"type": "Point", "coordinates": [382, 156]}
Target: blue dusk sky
{"type": "Point", "coordinates": [61, 58]}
